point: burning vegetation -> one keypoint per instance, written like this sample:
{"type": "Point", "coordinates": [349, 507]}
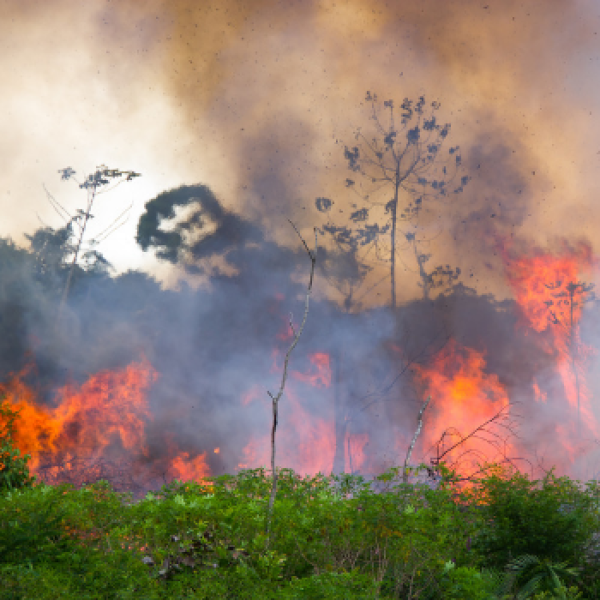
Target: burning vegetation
{"type": "Point", "coordinates": [424, 438]}
{"type": "Point", "coordinates": [195, 405]}
{"type": "Point", "coordinates": [424, 411]}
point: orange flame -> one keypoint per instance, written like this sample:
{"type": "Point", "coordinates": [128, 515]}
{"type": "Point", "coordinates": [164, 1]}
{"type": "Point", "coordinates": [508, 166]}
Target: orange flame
{"type": "Point", "coordinates": [320, 373]}
{"type": "Point", "coordinates": [186, 469]}
{"type": "Point", "coordinates": [109, 406]}
{"type": "Point", "coordinates": [105, 417]}
{"type": "Point", "coordinates": [305, 442]}
{"type": "Point", "coordinates": [551, 296]}
{"type": "Point", "coordinates": [540, 282]}
{"type": "Point", "coordinates": [464, 397]}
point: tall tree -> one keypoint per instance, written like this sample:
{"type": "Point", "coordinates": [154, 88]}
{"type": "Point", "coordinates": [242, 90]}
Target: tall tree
{"type": "Point", "coordinates": [565, 311]}
{"type": "Point", "coordinates": [399, 168]}
{"type": "Point", "coordinates": [402, 168]}
{"type": "Point", "coordinates": [96, 183]}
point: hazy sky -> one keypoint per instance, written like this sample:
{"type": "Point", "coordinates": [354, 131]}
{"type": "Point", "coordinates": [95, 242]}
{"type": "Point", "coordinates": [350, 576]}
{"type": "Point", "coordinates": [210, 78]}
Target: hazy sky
{"type": "Point", "coordinates": [257, 98]}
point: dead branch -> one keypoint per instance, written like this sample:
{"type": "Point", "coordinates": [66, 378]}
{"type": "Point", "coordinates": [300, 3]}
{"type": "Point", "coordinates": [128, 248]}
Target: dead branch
{"type": "Point", "coordinates": [496, 418]}
{"type": "Point", "coordinates": [414, 440]}
{"type": "Point", "coordinates": [275, 399]}
{"type": "Point", "coordinates": [494, 432]}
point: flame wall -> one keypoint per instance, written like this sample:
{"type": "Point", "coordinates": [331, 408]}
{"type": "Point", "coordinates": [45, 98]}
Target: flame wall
{"type": "Point", "coordinates": [257, 100]}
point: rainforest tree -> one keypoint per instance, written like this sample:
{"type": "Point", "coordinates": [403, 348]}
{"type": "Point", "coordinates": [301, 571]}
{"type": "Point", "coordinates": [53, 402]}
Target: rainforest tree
{"type": "Point", "coordinates": [399, 167]}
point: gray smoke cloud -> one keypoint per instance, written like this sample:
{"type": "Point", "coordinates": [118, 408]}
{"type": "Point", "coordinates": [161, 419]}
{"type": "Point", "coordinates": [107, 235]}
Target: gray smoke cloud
{"type": "Point", "coordinates": [257, 100]}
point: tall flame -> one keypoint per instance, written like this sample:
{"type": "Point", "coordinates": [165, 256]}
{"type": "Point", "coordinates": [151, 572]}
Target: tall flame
{"type": "Point", "coordinates": [305, 442]}
{"type": "Point", "coordinates": [551, 296]}
{"type": "Point", "coordinates": [102, 419]}
{"type": "Point", "coordinates": [464, 398]}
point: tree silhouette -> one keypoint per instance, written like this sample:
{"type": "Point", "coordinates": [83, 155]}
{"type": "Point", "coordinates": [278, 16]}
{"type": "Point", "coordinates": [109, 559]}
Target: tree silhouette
{"type": "Point", "coordinates": [402, 168]}
{"type": "Point", "coordinates": [102, 177]}
{"type": "Point", "coordinates": [398, 168]}
{"type": "Point", "coordinates": [564, 311]}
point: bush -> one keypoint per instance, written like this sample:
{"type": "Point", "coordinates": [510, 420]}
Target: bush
{"type": "Point", "coordinates": [460, 583]}
{"type": "Point", "coordinates": [330, 538]}
{"type": "Point", "coordinates": [61, 537]}
{"type": "Point", "coordinates": [14, 471]}
{"type": "Point", "coordinates": [532, 575]}
{"type": "Point", "coordinates": [349, 586]}
{"type": "Point", "coordinates": [553, 518]}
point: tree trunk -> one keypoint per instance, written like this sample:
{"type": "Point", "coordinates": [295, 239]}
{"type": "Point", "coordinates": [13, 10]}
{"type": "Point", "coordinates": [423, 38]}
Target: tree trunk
{"type": "Point", "coordinates": [86, 217]}
{"type": "Point", "coordinates": [393, 255]}
{"type": "Point", "coordinates": [393, 238]}
{"type": "Point", "coordinates": [339, 411]}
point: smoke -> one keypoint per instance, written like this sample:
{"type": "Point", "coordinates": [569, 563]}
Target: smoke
{"type": "Point", "coordinates": [256, 100]}
{"type": "Point", "coordinates": [284, 82]}
{"type": "Point", "coordinates": [218, 349]}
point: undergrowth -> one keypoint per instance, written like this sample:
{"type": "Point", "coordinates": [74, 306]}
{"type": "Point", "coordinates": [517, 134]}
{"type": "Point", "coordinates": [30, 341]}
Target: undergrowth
{"type": "Point", "coordinates": [332, 537]}
{"type": "Point", "coordinates": [504, 536]}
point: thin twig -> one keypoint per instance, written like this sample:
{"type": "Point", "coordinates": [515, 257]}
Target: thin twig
{"type": "Point", "coordinates": [57, 206]}
{"type": "Point", "coordinates": [275, 399]}
{"type": "Point", "coordinates": [414, 440]}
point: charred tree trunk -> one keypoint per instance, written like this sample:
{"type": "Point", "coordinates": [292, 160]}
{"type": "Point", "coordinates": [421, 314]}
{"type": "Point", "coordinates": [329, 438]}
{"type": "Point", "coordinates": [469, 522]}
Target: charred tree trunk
{"type": "Point", "coordinates": [277, 397]}
{"type": "Point", "coordinates": [393, 250]}
{"type": "Point", "coordinates": [339, 409]}
{"type": "Point", "coordinates": [573, 352]}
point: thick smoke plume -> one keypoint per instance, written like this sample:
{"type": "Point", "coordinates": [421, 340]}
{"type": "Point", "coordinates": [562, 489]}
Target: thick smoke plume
{"type": "Point", "coordinates": [249, 106]}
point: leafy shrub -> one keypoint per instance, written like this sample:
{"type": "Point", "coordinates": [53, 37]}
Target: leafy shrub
{"type": "Point", "coordinates": [30, 525]}
{"type": "Point", "coordinates": [532, 575]}
{"type": "Point", "coordinates": [353, 585]}
{"type": "Point", "coordinates": [59, 534]}
{"type": "Point", "coordinates": [14, 471]}
{"type": "Point", "coordinates": [331, 537]}
{"type": "Point", "coordinates": [460, 583]}
{"type": "Point", "coordinates": [553, 518]}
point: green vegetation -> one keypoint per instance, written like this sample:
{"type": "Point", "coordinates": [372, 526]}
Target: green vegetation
{"type": "Point", "coordinates": [503, 536]}
{"type": "Point", "coordinates": [14, 472]}
{"type": "Point", "coordinates": [331, 537]}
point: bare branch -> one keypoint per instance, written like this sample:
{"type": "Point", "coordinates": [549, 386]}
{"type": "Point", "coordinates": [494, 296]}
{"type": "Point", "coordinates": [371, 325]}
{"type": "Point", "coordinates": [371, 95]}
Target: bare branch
{"type": "Point", "coordinates": [276, 398]}
{"type": "Point", "coordinates": [57, 206]}
{"type": "Point", "coordinates": [414, 440]}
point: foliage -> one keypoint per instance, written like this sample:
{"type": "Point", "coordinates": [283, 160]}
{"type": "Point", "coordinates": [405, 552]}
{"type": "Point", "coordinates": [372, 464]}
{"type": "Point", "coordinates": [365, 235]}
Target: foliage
{"type": "Point", "coordinates": [535, 574]}
{"type": "Point", "coordinates": [14, 471]}
{"type": "Point", "coordinates": [332, 537]}
{"type": "Point", "coordinates": [553, 518]}
{"type": "Point", "coordinates": [470, 582]}
{"type": "Point", "coordinates": [205, 229]}
{"type": "Point", "coordinates": [51, 249]}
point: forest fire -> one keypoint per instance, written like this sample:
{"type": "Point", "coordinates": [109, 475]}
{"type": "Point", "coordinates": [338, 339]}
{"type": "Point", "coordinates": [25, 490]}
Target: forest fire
{"type": "Point", "coordinates": [106, 427]}
{"type": "Point", "coordinates": [467, 404]}
{"type": "Point", "coordinates": [551, 296]}
{"type": "Point", "coordinates": [306, 443]}
{"type": "Point", "coordinates": [95, 430]}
